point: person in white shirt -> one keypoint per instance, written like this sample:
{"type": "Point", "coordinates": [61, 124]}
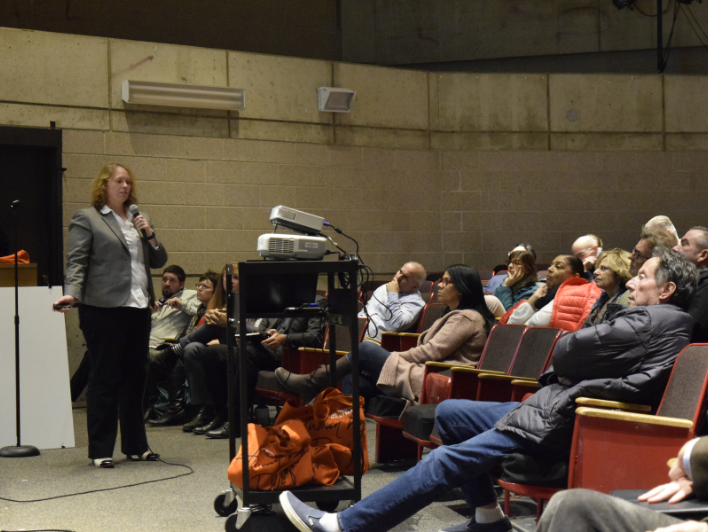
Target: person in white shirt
{"type": "Point", "coordinates": [396, 305]}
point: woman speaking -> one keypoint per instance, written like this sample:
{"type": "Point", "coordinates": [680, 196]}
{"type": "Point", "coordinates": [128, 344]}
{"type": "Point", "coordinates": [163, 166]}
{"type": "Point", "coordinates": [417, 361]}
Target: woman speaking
{"type": "Point", "coordinates": [110, 253]}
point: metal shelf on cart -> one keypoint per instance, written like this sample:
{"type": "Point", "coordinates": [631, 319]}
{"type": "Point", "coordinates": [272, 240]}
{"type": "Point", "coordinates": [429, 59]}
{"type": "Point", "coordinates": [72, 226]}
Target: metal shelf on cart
{"type": "Point", "coordinates": [341, 490]}
{"type": "Point", "coordinates": [344, 313]}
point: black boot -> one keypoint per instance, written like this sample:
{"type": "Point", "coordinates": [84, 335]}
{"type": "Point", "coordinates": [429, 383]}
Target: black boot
{"type": "Point", "coordinates": [308, 386]}
{"type": "Point", "coordinates": [177, 410]}
{"type": "Point", "coordinates": [219, 433]}
{"type": "Point", "coordinates": [220, 418]}
{"type": "Point", "coordinates": [206, 415]}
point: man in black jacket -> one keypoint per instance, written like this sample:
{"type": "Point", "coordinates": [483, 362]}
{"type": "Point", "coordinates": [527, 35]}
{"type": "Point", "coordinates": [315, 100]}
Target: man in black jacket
{"type": "Point", "coordinates": [627, 359]}
{"type": "Point", "coordinates": [694, 246]}
{"type": "Point", "coordinates": [207, 372]}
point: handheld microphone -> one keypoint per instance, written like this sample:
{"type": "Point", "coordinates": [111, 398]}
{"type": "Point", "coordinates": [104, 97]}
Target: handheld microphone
{"type": "Point", "coordinates": [133, 210]}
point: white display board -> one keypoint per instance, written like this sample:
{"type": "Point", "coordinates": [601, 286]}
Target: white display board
{"type": "Point", "coordinates": [44, 370]}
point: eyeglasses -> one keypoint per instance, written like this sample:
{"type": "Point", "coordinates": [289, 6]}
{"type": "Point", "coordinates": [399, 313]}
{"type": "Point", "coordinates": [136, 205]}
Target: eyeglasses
{"type": "Point", "coordinates": [444, 281]}
{"type": "Point", "coordinates": [638, 255]}
{"type": "Point", "coordinates": [204, 286]}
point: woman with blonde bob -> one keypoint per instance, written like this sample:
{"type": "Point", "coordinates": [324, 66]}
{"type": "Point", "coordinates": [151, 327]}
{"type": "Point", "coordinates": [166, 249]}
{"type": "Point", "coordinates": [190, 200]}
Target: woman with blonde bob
{"type": "Point", "coordinates": [109, 256]}
{"type": "Point", "coordinates": [611, 274]}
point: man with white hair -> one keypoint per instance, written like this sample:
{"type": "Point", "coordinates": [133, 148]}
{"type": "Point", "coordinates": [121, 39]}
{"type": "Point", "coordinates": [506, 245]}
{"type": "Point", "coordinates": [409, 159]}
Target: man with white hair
{"type": "Point", "coordinates": [396, 305]}
{"type": "Point", "coordinates": [662, 222]}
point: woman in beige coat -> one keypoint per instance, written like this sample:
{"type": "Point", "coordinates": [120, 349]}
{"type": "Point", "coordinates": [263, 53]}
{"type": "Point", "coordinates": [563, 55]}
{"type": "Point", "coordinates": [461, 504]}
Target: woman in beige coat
{"type": "Point", "coordinates": [458, 337]}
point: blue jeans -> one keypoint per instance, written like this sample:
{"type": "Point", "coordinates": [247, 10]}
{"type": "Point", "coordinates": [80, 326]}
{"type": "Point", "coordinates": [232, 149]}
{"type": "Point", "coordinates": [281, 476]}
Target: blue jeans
{"type": "Point", "coordinates": [372, 358]}
{"type": "Point", "coordinates": [472, 448]}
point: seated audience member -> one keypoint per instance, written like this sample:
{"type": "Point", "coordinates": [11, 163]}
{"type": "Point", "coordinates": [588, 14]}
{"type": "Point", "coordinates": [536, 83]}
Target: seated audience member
{"type": "Point", "coordinates": [694, 246]}
{"type": "Point", "coordinates": [521, 282]}
{"type": "Point", "coordinates": [649, 239]}
{"type": "Point", "coordinates": [396, 305]}
{"type": "Point", "coordinates": [611, 274]}
{"type": "Point", "coordinates": [496, 281]}
{"type": "Point", "coordinates": [170, 316]}
{"type": "Point", "coordinates": [564, 301]}
{"type": "Point", "coordinates": [207, 369]}
{"type": "Point", "coordinates": [587, 248]}
{"type": "Point", "coordinates": [459, 337]}
{"type": "Point", "coordinates": [584, 510]}
{"type": "Point", "coordinates": [626, 359]}
{"type": "Point", "coordinates": [662, 222]}
{"type": "Point", "coordinates": [173, 370]}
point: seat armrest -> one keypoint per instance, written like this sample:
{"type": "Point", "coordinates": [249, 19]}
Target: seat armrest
{"type": "Point", "coordinates": [502, 377]}
{"type": "Point", "coordinates": [601, 403]}
{"type": "Point", "coordinates": [632, 417]}
{"type": "Point", "coordinates": [320, 350]}
{"type": "Point", "coordinates": [467, 369]}
{"type": "Point", "coordinates": [526, 383]}
{"type": "Point", "coordinates": [443, 365]}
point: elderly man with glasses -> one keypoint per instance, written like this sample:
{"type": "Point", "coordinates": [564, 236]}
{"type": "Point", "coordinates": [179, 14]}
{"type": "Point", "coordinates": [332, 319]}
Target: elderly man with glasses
{"type": "Point", "coordinates": [648, 241]}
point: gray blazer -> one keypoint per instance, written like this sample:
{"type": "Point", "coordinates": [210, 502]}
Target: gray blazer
{"type": "Point", "coordinates": [98, 260]}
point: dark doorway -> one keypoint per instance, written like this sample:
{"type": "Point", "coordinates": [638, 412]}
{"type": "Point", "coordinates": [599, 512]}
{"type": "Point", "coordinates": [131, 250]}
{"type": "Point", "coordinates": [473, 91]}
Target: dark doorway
{"type": "Point", "coordinates": [30, 171]}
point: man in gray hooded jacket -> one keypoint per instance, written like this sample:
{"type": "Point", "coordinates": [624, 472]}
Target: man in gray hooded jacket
{"type": "Point", "coordinates": [627, 359]}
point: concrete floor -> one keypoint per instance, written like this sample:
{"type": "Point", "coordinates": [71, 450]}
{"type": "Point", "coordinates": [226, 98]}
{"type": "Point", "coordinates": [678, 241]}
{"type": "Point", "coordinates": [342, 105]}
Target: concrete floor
{"type": "Point", "coordinates": [134, 496]}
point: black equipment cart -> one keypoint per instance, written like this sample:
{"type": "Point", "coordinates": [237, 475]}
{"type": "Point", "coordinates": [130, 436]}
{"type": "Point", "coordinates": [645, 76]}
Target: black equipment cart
{"type": "Point", "coordinates": [274, 289]}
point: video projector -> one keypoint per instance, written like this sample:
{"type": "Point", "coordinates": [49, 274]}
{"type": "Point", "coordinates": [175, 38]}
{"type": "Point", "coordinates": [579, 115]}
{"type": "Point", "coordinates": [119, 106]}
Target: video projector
{"type": "Point", "coordinates": [299, 221]}
{"type": "Point", "coordinates": [282, 246]}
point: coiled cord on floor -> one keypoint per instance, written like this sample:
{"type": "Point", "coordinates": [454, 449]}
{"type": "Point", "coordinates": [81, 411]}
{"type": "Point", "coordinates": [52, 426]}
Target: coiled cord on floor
{"type": "Point", "coordinates": [103, 489]}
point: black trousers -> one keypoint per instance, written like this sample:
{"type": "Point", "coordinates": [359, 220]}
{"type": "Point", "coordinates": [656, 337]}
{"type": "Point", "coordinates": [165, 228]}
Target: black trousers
{"type": "Point", "coordinates": [117, 340]}
{"type": "Point", "coordinates": [207, 372]}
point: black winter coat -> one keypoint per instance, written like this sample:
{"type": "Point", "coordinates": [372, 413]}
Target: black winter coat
{"type": "Point", "coordinates": [627, 359]}
{"type": "Point", "coordinates": [699, 309]}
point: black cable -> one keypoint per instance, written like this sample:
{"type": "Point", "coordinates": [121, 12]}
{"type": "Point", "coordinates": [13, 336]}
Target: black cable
{"type": "Point", "coordinates": [693, 20]}
{"type": "Point", "coordinates": [665, 58]}
{"type": "Point", "coordinates": [344, 235]}
{"type": "Point", "coordinates": [108, 489]}
{"type": "Point", "coordinates": [39, 530]}
{"type": "Point", "coordinates": [649, 14]}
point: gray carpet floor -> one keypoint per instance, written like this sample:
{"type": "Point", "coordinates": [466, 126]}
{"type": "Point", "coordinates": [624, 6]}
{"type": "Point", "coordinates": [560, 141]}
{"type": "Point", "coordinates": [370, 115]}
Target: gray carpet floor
{"type": "Point", "coordinates": [122, 499]}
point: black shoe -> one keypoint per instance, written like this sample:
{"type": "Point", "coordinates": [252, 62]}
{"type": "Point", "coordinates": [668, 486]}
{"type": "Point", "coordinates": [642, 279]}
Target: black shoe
{"type": "Point", "coordinates": [147, 456]}
{"type": "Point", "coordinates": [503, 525]}
{"type": "Point", "coordinates": [204, 417]}
{"type": "Point", "coordinates": [220, 433]}
{"type": "Point", "coordinates": [215, 423]}
{"type": "Point", "coordinates": [170, 418]}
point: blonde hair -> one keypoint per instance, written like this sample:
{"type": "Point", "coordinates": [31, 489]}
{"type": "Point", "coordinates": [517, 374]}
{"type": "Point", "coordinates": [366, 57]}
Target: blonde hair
{"type": "Point", "coordinates": [98, 192]}
{"type": "Point", "coordinates": [617, 260]}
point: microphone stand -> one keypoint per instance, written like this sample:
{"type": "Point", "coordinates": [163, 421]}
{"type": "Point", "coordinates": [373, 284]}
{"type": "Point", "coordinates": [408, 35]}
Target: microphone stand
{"type": "Point", "coordinates": [17, 451]}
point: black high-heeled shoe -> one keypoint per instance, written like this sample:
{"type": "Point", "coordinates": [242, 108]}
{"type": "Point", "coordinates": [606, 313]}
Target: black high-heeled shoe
{"type": "Point", "coordinates": [104, 463]}
{"type": "Point", "coordinates": [147, 456]}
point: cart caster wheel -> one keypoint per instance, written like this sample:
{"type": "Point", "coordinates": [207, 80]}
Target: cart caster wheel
{"type": "Point", "coordinates": [223, 509]}
{"type": "Point", "coordinates": [327, 506]}
{"type": "Point", "coordinates": [230, 525]}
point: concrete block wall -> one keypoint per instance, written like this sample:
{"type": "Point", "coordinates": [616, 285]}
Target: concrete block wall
{"type": "Point", "coordinates": [434, 167]}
